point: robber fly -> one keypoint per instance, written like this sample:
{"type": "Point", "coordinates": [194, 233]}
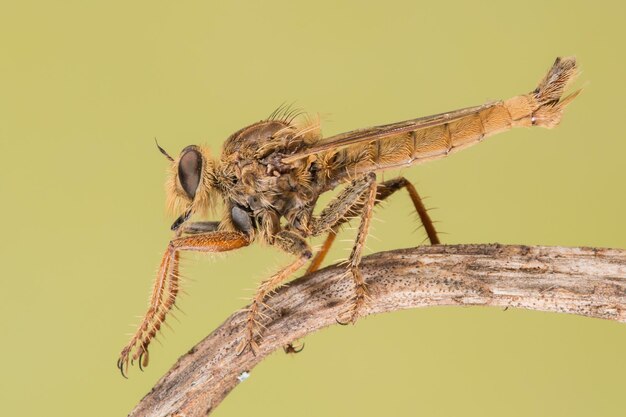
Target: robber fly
{"type": "Point", "coordinates": [270, 175]}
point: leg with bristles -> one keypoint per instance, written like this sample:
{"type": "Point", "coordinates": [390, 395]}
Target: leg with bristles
{"type": "Point", "coordinates": [314, 266]}
{"type": "Point", "coordinates": [351, 314]}
{"type": "Point", "coordinates": [386, 188]}
{"type": "Point", "coordinates": [345, 206]}
{"type": "Point", "coordinates": [194, 228]}
{"type": "Point", "coordinates": [351, 204]}
{"type": "Point", "coordinates": [166, 288]}
{"type": "Point", "coordinates": [289, 242]}
{"type": "Point", "coordinates": [321, 254]}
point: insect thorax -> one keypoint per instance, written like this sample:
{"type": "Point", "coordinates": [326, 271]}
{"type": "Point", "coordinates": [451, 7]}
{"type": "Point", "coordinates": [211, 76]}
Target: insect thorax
{"type": "Point", "coordinates": [263, 187]}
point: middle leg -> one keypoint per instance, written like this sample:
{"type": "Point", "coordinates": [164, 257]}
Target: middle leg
{"type": "Point", "coordinates": [383, 191]}
{"type": "Point", "coordinates": [292, 243]}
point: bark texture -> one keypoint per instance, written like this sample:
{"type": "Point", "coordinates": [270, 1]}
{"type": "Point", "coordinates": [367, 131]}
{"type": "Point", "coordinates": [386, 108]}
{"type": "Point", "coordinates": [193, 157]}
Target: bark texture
{"type": "Point", "coordinates": [585, 281]}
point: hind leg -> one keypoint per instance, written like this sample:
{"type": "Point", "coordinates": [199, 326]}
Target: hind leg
{"type": "Point", "coordinates": [359, 299]}
{"type": "Point", "coordinates": [389, 187]}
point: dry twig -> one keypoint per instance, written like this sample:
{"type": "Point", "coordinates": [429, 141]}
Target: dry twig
{"type": "Point", "coordinates": [585, 281]}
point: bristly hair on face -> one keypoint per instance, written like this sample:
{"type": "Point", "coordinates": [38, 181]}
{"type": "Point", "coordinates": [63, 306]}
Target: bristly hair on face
{"type": "Point", "coordinates": [203, 202]}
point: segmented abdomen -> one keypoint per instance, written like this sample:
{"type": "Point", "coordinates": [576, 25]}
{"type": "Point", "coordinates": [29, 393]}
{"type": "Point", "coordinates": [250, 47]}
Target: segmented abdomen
{"type": "Point", "coordinates": [542, 107]}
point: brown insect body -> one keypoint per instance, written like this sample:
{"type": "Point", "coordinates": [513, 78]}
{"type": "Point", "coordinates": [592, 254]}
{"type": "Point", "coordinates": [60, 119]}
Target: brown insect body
{"type": "Point", "coordinates": [261, 185]}
{"type": "Point", "coordinates": [271, 173]}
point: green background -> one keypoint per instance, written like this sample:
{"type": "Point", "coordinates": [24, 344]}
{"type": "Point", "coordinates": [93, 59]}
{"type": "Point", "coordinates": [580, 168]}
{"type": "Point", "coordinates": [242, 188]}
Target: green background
{"type": "Point", "coordinates": [85, 87]}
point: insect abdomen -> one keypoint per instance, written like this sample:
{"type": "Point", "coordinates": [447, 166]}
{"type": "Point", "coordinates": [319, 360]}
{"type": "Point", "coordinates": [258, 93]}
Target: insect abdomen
{"type": "Point", "coordinates": [542, 107]}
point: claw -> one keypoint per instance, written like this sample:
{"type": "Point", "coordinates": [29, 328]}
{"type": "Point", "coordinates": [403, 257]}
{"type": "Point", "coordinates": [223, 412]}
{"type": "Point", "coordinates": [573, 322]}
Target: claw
{"type": "Point", "coordinates": [350, 314]}
{"type": "Point", "coordinates": [240, 347]}
{"type": "Point", "coordinates": [122, 361]}
{"type": "Point", "coordinates": [247, 342]}
{"type": "Point", "coordinates": [357, 302]}
{"type": "Point", "coordinates": [290, 348]}
{"type": "Point", "coordinates": [142, 357]}
{"type": "Point", "coordinates": [342, 323]}
{"type": "Point", "coordinates": [120, 366]}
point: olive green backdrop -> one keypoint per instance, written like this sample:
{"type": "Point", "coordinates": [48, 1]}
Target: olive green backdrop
{"type": "Point", "coordinates": [86, 86]}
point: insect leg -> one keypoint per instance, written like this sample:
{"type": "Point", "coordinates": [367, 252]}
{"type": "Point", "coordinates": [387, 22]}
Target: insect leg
{"type": "Point", "coordinates": [193, 228]}
{"type": "Point", "coordinates": [346, 205]}
{"type": "Point", "coordinates": [319, 256]}
{"type": "Point", "coordinates": [165, 289]}
{"type": "Point", "coordinates": [291, 243]}
{"type": "Point", "coordinates": [314, 266]}
{"type": "Point", "coordinates": [360, 287]}
{"type": "Point", "coordinates": [385, 189]}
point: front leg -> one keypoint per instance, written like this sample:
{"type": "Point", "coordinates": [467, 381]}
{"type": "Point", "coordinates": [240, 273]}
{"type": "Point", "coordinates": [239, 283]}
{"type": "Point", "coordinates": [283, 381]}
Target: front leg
{"type": "Point", "coordinates": [194, 228]}
{"type": "Point", "coordinates": [291, 243]}
{"type": "Point", "coordinates": [165, 289]}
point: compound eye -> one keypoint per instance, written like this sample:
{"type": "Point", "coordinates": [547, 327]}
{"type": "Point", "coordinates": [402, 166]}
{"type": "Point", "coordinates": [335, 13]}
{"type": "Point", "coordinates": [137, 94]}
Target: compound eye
{"type": "Point", "coordinates": [189, 171]}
